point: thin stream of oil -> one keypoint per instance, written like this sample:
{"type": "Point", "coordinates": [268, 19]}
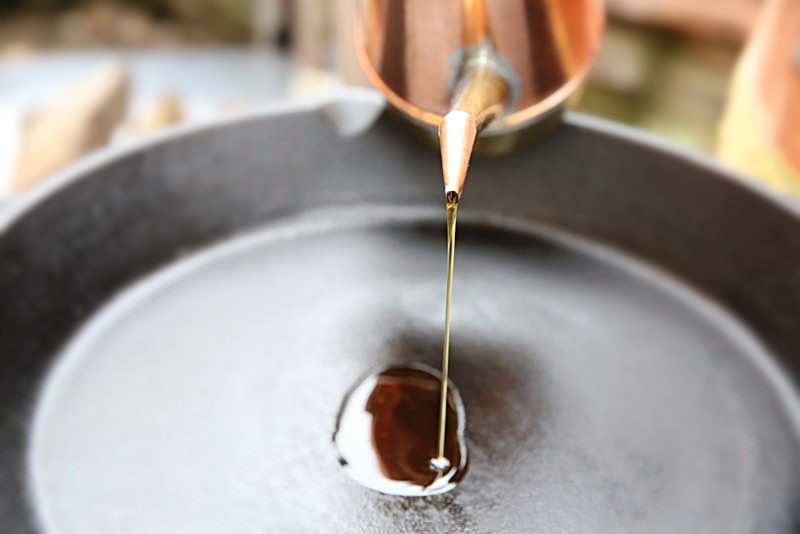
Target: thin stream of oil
{"type": "Point", "coordinates": [440, 462]}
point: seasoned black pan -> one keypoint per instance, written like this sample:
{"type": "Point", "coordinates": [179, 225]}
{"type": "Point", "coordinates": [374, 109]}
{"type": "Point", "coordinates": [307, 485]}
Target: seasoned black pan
{"type": "Point", "coordinates": [179, 323]}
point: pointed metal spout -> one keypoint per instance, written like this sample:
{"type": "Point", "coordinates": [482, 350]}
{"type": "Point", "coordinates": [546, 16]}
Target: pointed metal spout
{"type": "Point", "coordinates": [481, 95]}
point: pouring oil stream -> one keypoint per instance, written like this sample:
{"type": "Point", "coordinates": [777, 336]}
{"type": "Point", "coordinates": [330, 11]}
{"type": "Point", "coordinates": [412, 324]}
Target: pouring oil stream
{"type": "Point", "coordinates": [456, 137]}
{"type": "Point", "coordinates": [440, 463]}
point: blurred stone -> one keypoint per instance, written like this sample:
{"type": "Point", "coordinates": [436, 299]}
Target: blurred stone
{"type": "Point", "coordinates": [79, 120]}
{"type": "Point", "coordinates": [166, 110]}
{"type": "Point", "coordinates": [310, 81]}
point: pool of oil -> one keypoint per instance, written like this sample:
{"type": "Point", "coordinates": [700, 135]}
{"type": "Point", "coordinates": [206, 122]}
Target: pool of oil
{"type": "Point", "coordinates": [387, 431]}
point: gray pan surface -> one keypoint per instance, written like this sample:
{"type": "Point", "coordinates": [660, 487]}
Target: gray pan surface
{"type": "Point", "coordinates": [179, 324]}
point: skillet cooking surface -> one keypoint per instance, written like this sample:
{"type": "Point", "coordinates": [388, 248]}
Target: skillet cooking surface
{"type": "Point", "coordinates": [597, 392]}
{"type": "Point", "coordinates": [148, 389]}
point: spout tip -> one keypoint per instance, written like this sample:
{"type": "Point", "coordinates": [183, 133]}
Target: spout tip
{"type": "Point", "coordinates": [457, 134]}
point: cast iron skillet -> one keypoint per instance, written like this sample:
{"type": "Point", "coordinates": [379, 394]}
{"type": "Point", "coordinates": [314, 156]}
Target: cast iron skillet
{"type": "Point", "coordinates": [179, 322]}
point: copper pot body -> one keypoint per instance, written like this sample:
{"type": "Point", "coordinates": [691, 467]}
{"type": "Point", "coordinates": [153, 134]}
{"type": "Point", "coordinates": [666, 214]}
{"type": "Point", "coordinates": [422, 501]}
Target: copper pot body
{"type": "Point", "coordinates": [413, 50]}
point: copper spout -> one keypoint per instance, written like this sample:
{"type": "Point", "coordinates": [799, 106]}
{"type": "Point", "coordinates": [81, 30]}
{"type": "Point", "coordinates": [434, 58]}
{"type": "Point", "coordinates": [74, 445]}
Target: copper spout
{"type": "Point", "coordinates": [456, 137]}
{"type": "Point", "coordinates": [479, 98]}
{"type": "Point", "coordinates": [482, 91]}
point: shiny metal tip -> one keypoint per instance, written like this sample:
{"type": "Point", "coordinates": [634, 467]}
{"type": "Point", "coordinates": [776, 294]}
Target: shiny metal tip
{"type": "Point", "coordinates": [457, 134]}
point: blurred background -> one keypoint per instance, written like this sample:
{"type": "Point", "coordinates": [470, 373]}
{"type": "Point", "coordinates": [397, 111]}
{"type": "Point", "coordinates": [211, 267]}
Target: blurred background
{"type": "Point", "coordinates": [79, 75]}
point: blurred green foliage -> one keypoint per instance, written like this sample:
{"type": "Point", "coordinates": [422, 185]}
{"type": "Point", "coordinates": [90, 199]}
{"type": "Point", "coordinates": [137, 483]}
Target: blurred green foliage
{"type": "Point", "coordinates": [227, 20]}
{"type": "Point", "coordinates": [156, 7]}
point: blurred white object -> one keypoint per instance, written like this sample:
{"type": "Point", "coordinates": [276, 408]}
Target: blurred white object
{"type": "Point", "coordinates": [166, 110]}
{"type": "Point", "coordinates": [75, 122]}
{"type": "Point", "coordinates": [9, 141]}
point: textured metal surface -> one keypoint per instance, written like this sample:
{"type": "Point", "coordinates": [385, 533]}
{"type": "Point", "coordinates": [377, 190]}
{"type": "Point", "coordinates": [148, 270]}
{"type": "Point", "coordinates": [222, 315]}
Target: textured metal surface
{"type": "Point", "coordinates": [615, 399]}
